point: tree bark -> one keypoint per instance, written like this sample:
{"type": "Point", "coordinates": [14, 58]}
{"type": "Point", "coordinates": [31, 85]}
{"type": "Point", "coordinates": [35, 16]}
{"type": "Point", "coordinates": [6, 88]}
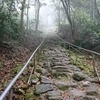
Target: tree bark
{"type": "Point", "coordinates": [66, 5]}
{"type": "Point", "coordinates": [10, 8]}
{"type": "Point", "coordinates": [37, 16]}
{"type": "Point", "coordinates": [22, 17]}
{"type": "Point", "coordinates": [28, 14]}
{"type": "Point", "coordinates": [97, 14]}
{"type": "Point", "coordinates": [59, 15]}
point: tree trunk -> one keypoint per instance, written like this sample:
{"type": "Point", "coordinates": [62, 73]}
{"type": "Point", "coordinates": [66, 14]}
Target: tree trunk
{"type": "Point", "coordinates": [59, 15]}
{"type": "Point", "coordinates": [37, 16]}
{"type": "Point", "coordinates": [22, 17]}
{"type": "Point", "coordinates": [10, 8]}
{"type": "Point", "coordinates": [92, 9]}
{"type": "Point", "coordinates": [1, 4]}
{"type": "Point", "coordinates": [28, 14]}
{"type": "Point", "coordinates": [67, 11]}
{"type": "Point", "coordinates": [97, 14]}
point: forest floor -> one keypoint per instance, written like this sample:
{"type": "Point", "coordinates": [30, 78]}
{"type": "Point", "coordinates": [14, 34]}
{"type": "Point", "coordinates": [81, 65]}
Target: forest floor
{"type": "Point", "coordinates": [13, 57]}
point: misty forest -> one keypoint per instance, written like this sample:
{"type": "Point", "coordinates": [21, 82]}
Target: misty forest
{"type": "Point", "coordinates": [49, 49]}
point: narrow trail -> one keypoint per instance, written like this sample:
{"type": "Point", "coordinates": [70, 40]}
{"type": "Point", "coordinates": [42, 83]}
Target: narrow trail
{"type": "Point", "coordinates": [59, 79]}
{"type": "Point", "coordinates": [55, 77]}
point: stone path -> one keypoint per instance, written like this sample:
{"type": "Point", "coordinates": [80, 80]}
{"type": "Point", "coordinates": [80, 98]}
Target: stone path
{"type": "Point", "coordinates": [60, 80]}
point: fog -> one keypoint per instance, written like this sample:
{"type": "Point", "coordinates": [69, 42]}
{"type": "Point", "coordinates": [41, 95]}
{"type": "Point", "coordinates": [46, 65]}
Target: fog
{"type": "Point", "coordinates": [47, 18]}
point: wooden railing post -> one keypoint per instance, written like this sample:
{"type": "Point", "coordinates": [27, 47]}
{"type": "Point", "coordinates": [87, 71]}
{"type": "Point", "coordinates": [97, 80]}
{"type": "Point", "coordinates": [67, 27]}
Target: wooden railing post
{"type": "Point", "coordinates": [69, 47]}
{"type": "Point", "coordinates": [64, 45]}
{"type": "Point", "coordinates": [94, 64]}
{"type": "Point", "coordinates": [11, 94]}
{"type": "Point", "coordinates": [95, 69]}
{"type": "Point", "coordinates": [34, 63]}
{"type": "Point", "coordinates": [38, 55]}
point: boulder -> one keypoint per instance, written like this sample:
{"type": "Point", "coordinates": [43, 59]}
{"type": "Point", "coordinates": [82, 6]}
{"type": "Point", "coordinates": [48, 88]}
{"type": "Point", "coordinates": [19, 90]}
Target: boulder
{"type": "Point", "coordinates": [87, 98]}
{"type": "Point", "coordinates": [42, 71]}
{"type": "Point", "coordinates": [76, 93]}
{"type": "Point", "coordinates": [42, 97]}
{"type": "Point", "coordinates": [92, 90]}
{"type": "Point", "coordinates": [64, 86]}
{"type": "Point", "coordinates": [45, 80]}
{"type": "Point", "coordinates": [42, 88]}
{"type": "Point", "coordinates": [86, 83]}
{"type": "Point", "coordinates": [54, 95]}
{"type": "Point", "coordinates": [79, 76]}
{"type": "Point", "coordinates": [61, 85]}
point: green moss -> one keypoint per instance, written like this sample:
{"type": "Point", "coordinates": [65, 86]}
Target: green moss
{"type": "Point", "coordinates": [5, 84]}
{"type": "Point", "coordinates": [21, 97]}
{"type": "Point", "coordinates": [17, 68]}
{"type": "Point", "coordinates": [26, 79]}
{"type": "Point", "coordinates": [77, 59]}
{"type": "Point", "coordinates": [0, 65]}
{"type": "Point", "coordinates": [31, 63]}
{"type": "Point", "coordinates": [28, 96]}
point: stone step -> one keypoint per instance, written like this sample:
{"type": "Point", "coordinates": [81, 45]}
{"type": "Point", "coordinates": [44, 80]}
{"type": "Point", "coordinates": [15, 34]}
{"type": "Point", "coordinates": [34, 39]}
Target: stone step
{"type": "Point", "coordinates": [43, 88]}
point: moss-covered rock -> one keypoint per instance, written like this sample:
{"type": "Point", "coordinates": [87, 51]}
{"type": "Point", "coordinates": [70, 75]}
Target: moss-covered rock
{"type": "Point", "coordinates": [79, 76]}
{"type": "Point", "coordinates": [42, 71]}
{"type": "Point", "coordinates": [28, 96]}
{"type": "Point", "coordinates": [42, 88]}
{"type": "Point", "coordinates": [78, 60]}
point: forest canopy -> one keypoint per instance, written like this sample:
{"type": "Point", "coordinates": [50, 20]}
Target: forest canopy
{"type": "Point", "coordinates": [80, 20]}
{"type": "Point", "coordinates": [77, 20]}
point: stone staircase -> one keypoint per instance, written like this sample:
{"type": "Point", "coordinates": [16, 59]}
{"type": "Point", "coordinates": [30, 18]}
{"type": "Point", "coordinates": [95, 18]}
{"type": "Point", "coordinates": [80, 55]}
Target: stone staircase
{"type": "Point", "coordinates": [60, 80]}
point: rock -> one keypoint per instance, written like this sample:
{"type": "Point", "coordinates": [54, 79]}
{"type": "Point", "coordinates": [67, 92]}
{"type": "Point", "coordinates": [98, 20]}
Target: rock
{"type": "Point", "coordinates": [76, 93]}
{"type": "Point", "coordinates": [73, 67]}
{"type": "Point", "coordinates": [54, 95]}
{"type": "Point", "coordinates": [69, 99]}
{"type": "Point", "coordinates": [60, 59]}
{"type": "Point", "coordinates": [47, 65]}
{"type": "Point", "coordinates": [92, 90]}
{"type": "Point", "coordinates": [64, 86]}
{"type": "Point", "coordinates": [43, 71]}
{"type": "Point", "coordinates": [57, 73]}
{"type": "Point", "coordinates": [61, 69]}
{"type": "Point", "coordinates": [55, 98]}
{"type": "Point", "coordinates": [73, 85]}
{"type": "Point", "coordinates": [66, 62]}
{"type": "Point", "coordinates": [61, 85]}
{"type": "Point", "coordinates": [79, 76]}
{"type": "Point", "coordinates": [68, 67]}
{"type": "Point", "coordinates": [42, 88]}
{"type": "Point", "coordinates": [87, 98]}
{"type": "Point", "coordinates": [86, 83]}
{"type": "Point", "coordinates": [24, 86]}
{"type": "Point", "coordinates": [93, 80]}
{"type": "Point", "coordinates": [34, 81]}
{"type": "Point", "coordinates": [45, 80]}
{"type": "Point", "coordinates": [42, 97]}
{"type": "Point", "coordinates": [58, 63]}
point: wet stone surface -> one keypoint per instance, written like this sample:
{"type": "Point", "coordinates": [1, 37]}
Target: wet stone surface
{"type": "Point", "coordinates": [61, 80]}
{"type": "Point", "coordinates": [42, 88]}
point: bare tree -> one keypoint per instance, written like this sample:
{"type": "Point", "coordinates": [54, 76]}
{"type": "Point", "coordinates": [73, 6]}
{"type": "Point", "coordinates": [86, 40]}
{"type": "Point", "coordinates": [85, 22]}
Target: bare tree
{"type": "Point", "coordinates": [22, 17]}
{"type": "Point", "coordinates": [28, 14]}
{"type": "Point", "coordinates": [66, 4]}
{"type": "Point", "coordinates": [97, 13]}
{"type": "Point", "coordinates": [37, 15]}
